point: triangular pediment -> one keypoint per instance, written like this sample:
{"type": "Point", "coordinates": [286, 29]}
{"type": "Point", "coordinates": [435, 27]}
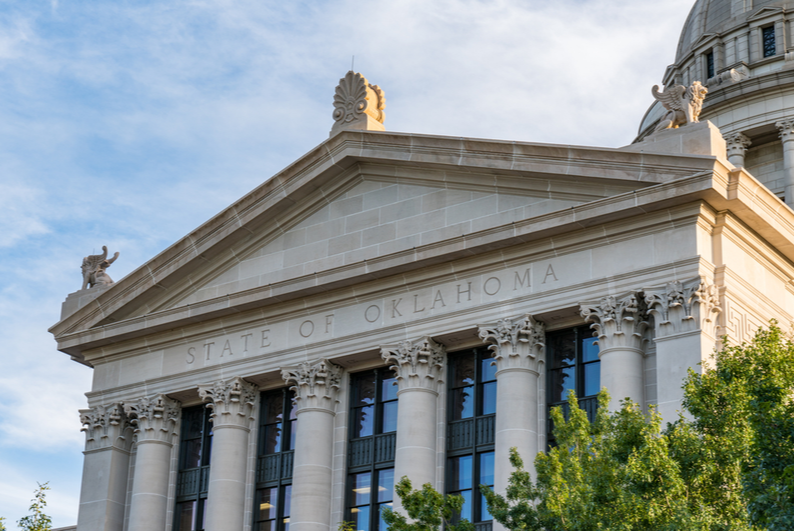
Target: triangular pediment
{"type": "Point", "coordinates": [766, 12]}
{"type": "Point", "coordinates": [365, 206]}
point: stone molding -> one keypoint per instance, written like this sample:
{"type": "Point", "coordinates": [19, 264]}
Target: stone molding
{"type": "Point", "coordinates": [786, 132]}
{"type": "Point", "coordinates": [417, 364]}
{"type": "Point", "coordinates": [155, 418]}
{"type": "Point", "coordinates": [105, 427]}
{"type": "Point", "coordinates": [232, 402]}
{"type": "Point", "coordinates": [516, 343]}
{"type": "Point", "coordinates": [684, 307]}
{"type": "Point", "coordinates": [316, 384]}
{"type": "Point", "coordinates": [619, 323]}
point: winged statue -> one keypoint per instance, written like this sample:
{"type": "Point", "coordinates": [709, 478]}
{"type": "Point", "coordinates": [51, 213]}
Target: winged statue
{"type": "Point", "coordinates": [94, 267]}
{"type": "Point", "coordinates": [683, 104]}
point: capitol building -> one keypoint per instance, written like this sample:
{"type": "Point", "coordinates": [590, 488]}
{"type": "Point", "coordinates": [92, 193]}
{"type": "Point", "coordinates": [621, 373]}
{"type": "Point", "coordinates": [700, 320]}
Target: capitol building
{"type": "Point", "coordinates": [394, 304]}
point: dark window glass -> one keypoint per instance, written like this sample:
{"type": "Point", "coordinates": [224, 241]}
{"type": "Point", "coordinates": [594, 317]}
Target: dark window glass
{"type": "Point", "coordinates": [769, 41]}
{"type": "Point", "coordinates": [276, 443]}
{"type": "Point", "coordinates": [573, 355]}
{"type": "Point", "coordinates": [374, 412]}
{"type": "Point", "coordinates": [472, 395]}
{"type": "Point", "coordinates": [195, 449]}
{"type": "Point", "coordinates": [710, 58]}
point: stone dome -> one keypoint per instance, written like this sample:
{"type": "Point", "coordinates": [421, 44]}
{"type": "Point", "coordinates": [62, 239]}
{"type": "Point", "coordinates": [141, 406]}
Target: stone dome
{"type": "Point", "coordinates": [718, 17]}
{"type": "Point", "coordinates": [741, 50]}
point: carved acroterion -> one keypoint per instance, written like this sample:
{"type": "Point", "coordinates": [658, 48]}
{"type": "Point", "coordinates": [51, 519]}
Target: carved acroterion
{"type": "Point", "coordinates": [516, 343]}
{"type": "Point", "coordinates": [358, 105]}
{"type": "Point", "coordinates": [94, 269]}
{"type": "Point", "coordinates": [417, 364]}
{"type": "Point", "coordinates": [682, 103]}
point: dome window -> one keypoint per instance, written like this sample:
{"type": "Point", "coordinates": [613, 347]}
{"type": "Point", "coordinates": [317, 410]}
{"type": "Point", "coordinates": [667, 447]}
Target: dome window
{"type": "Point", "coordinates": [710, 59]}
{"type": "Point", "coordinates": [768, 41]}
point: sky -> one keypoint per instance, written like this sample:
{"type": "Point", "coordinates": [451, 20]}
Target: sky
{"type": "Point", "coordinates": [129, 123]}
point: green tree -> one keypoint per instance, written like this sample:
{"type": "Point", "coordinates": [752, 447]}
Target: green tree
{"type": "Point", "coordinates": [427, 510]}
{"type": "Point", "coordinates": [2, 526]}
{"type": "Point", "coordinates": [730, 468]}
{"type": "Point", "coordinates": [37, 520]}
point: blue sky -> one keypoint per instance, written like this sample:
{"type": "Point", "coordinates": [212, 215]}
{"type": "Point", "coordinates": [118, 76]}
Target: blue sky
{"type": "Point", "coordinates": [129, 123]}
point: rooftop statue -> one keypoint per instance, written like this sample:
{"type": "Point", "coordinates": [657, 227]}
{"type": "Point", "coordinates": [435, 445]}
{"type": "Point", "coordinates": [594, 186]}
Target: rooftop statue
{"type": "Point", "coordinates": [683, 104]}
{"type": "Point", "coordinates": [358, 105]}
{"type": "Point", "coordinates": [94, 267]}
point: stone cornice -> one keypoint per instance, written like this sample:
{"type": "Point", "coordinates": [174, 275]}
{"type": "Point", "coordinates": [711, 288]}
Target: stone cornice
{"type": "Point", "coordinates": [105, 427]}
{"type": "Point", "coordinates": [417, 364]}
{"type": "Point", "coordinates": [618, 322]}
{"type": "Point", "coordinates": [516, 343]}
{"type": "Point", "coordinates": [316, 384]}
{"type": "Point", "coordinates": [155, 418]}
{"type": "Point", "coordinates": [761, 210]}
{"type": "Point", "coordinates": [232, 402]}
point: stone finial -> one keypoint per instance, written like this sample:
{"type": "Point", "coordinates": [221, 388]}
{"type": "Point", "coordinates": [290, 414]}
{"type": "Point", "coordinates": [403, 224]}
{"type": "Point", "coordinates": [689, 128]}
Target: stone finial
{"type": "Point", "coordinates": [358, 105]}
{"type": "Point", "coordinates": [155, 418]}
{"type": "Point", "coordinates": [106, 426]}
{"type": "Point", "coordinates": [232, 401]}
{"type": "Point", "coordinates": [683, 104]}
{"type": "Point", "coordinates": [417, 364]}
{"type": "Point", "coordinates": [94, 267]}
{"type": "Point", "coordinates": [516, 343]}
{"type": "Point", "coordinates": [684, 307]}
{"type": "Point", "coordinates": [315, 384]}
{"type": "Point", "coordinates": [617, 323]}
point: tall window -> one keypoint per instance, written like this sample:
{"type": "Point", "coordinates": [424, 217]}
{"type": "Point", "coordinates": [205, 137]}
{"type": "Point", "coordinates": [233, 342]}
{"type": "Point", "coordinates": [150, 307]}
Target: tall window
{"type": "Point", "coordinates": [195, 445]}
{"type": "Point", "coordinates": [371, 448]}
{"type": "Point", "coordinates": [472, 402]}
{"type": "Point", "coordinates": [710, 59]}
{"type": "Point", "coordinates": [573, 358]}
{"type": "Point", "coordinates": [769, 41]}
{"type": "Point", "coordinates": [275, 461]}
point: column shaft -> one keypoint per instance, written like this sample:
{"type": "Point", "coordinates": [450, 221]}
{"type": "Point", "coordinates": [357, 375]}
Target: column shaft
{"type": "Point", "coordinates": [311, 497]}
{"type": "Point", "coordinates": [621, 372]}
{"type": "Point", "coordinates": [516, 422]}
{"type": "Point", "coordinates": [149, 505]}
{"type": "Point", "coordinates": [415, 445]}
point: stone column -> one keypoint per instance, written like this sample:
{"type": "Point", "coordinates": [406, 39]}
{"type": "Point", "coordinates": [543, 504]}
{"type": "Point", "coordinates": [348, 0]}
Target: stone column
{"type": "Point", "coordinates": [419, 367]}
{"type": "Point", "coordinates": [232, 402]}
{"type": "Point", "coordinates": [518, 347]}
{"type": "Point", "coordinates": [156, 420]}
{"type": "Point", "coordinates": [785, 133]}
{"type": "Point", "coordinates": [736, 145]}
{"type": "Point", "coordinates": [685, 321]}
{"type": "Point", "coordinates": [619, 324]}
{"type": "Point", "coordinates": [316, 386]}
{"type": "Point", "coordinates": [105, 465]}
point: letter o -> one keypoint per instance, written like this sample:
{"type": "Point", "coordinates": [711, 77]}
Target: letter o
{"type": "Point", "coordinates": [311, 328]}
{"type": "Point", "coordinates": [367, 313]}
{"type": "Point", "coordinates": [486, 284]}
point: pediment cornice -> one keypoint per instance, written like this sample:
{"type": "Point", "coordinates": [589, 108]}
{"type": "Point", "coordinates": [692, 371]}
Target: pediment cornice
{"type": "Point", "coordinates": [132, 303]}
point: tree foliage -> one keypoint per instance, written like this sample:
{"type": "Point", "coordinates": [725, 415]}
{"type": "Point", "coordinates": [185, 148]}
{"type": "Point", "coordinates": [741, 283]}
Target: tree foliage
{"type": "Point", "coordinates": [729, 468]}
{"type": "Point", "coordinates": [427, 510]}
{"type": "Point", "coordinates": [37, 520]}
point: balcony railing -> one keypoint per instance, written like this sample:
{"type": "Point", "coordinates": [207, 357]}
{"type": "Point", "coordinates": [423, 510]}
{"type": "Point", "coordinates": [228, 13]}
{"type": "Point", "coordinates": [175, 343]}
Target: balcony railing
{"type": "Point", "coordinates": [193, 481]}
{"type": "Point", "coordinates": [464, 433]}
{"type": "Point", "coordinates": [274, 467]}
{"type": "Point", "coordinates": [371, 450]}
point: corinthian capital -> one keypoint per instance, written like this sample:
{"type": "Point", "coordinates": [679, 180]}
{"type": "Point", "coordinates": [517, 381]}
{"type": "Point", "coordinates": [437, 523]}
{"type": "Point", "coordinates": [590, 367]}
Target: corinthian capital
{"type": "Point", "coordinates": [736, 143]}
{"type": "Point", "coordinates": [232, 401]}
{"type": "Point", "coordinates": [516, 343]}
{"type": "Point", "coordinates": [785, 130]}
{"type": "Point", "coordinates": [417, 364]}
{"type": "Point", "coordinates": [106, 426]}
{"type": "Point", "coordinates": [315, 384]}
{"type": "Point", "coordinates": [684, 307]}
{"type": "Point", "coordinates": [617, 322]}
{"type": "Point", "coordinates": [155, 418]}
